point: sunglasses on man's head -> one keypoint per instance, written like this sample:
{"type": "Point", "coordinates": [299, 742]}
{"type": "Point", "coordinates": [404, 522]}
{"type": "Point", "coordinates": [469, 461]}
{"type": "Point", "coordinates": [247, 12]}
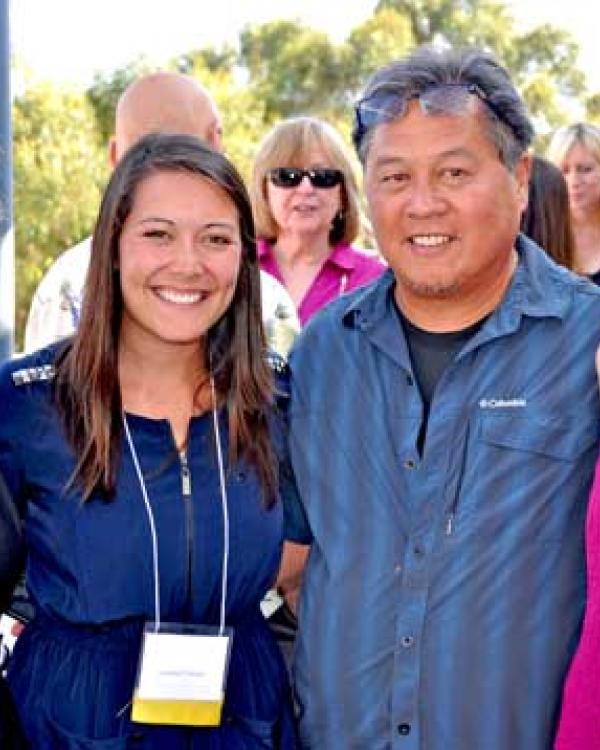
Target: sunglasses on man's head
{"type": "Point", "coordinates": [320, 177]}
{"type": "Point", "coordinates": [384, 104]}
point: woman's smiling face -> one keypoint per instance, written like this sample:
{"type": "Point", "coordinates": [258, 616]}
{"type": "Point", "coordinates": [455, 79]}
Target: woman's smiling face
{"type": "Point", "coordinates": [179, 258]}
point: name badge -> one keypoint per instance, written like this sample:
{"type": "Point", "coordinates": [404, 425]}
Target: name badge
{"type": "Point", "coordinates": [182, 675]}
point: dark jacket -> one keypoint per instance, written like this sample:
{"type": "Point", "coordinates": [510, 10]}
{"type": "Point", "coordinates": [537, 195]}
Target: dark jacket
{"type": "Point", "coordinates": [11, 562]}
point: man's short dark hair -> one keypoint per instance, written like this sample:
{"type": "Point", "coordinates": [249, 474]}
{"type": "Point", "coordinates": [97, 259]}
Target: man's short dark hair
{"type": "Point", "coordinates": [426, 68]}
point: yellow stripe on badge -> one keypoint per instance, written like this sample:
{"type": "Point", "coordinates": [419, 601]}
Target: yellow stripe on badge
{"type": "Point", "coordinates": [183, 712]}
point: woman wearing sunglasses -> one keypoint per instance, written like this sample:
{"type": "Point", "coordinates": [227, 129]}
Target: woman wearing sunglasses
{"type": "Point", "coordinates": [306, 209]}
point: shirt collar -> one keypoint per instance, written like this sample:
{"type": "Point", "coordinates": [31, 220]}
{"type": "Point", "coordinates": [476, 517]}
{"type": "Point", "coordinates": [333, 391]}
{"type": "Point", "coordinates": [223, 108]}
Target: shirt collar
{"type": "Point", "coordinates": [342, 255]}
{"type": "Point", "coordinates": [370, 305]}
{"type": "Point", "coordinates": [538, 288]}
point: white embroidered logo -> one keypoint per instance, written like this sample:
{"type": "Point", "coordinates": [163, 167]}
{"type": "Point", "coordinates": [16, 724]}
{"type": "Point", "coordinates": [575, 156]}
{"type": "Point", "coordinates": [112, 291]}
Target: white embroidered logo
{"type": "Point", "coordinates": [502, 403]}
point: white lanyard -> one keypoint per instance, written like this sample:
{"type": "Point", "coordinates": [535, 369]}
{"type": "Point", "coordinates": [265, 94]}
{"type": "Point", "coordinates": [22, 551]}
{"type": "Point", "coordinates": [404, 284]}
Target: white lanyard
{"type": "Point", "coordinates": [150, 514]}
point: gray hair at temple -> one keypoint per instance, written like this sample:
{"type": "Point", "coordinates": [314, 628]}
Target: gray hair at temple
{"type": "Point", "coordinates": [441, 81]}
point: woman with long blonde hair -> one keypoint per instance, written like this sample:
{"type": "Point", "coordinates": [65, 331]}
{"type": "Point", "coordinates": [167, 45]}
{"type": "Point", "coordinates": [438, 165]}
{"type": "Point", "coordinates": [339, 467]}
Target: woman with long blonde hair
{"type": "Point", "coordinates": [575, 149]}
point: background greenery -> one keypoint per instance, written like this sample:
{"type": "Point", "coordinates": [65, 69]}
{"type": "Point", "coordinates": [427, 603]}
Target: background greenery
{"type": "Point", "coordinates": [278, 69]}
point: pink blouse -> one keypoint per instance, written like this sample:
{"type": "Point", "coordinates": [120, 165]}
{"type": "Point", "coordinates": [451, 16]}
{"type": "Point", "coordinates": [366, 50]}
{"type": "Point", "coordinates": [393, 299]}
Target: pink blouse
{"type": "Point", "coordinates": [579, 727]}
{"type": "Point", "coordinates": [345, 269]}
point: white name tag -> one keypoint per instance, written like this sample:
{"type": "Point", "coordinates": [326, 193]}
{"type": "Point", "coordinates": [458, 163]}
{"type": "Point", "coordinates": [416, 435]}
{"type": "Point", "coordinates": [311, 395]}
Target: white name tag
{"type": "Point", "coordinates": [183, 667]}
{"type": "Point", "coordinates": [182, 676]}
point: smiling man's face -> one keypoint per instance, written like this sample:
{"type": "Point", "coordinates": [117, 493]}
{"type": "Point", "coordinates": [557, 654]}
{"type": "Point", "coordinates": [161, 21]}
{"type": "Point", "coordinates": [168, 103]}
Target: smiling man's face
{"type": "Point", "coordinates": [445, 210]}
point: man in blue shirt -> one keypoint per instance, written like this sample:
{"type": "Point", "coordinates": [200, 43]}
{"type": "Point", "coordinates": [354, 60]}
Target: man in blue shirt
{"type": "Point", "coordinates": [444, 423]}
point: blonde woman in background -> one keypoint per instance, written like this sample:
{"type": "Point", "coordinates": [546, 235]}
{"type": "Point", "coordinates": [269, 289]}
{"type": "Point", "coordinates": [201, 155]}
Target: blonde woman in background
{"type": "Point", "coordinates": [306, 207]}
{"type": "Point", "coordinates": [575, 149]}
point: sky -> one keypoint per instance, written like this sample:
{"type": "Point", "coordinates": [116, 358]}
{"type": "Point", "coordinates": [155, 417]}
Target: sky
{"type": "Point", "coordinates": [68, 40]}
{"type": "Point", "coordinates": [104, 34]}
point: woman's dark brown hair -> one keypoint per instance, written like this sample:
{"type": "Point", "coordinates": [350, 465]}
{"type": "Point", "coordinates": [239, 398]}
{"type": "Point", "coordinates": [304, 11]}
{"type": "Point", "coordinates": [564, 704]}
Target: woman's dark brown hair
{"type": "Point", "coordinates": [547, 219]}
{"type": "Point", "coordinates": [87, 388]}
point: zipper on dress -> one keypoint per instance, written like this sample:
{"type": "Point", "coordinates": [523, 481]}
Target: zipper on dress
{"type": "Point", "coordinates": [186, 475]}
{"type": "Point", "coordinates": [186, 492]}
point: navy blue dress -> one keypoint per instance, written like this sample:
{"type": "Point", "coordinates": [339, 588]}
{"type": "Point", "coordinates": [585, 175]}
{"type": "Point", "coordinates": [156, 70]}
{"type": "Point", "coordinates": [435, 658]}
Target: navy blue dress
{"type": "Point", "coordinates": [89, 574]}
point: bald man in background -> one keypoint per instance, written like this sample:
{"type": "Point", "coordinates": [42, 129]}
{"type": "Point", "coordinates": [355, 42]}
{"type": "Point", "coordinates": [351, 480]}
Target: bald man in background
{"type": "Point", "coordinates": [160, 102]}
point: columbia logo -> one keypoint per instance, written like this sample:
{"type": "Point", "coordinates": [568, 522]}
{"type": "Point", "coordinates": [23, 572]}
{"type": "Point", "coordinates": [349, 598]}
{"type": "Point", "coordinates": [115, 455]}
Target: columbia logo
{"type": "Point", "coordinates": [502, 403]}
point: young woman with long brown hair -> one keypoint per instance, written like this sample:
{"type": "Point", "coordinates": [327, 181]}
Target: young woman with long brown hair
{"type": "Point", "coordinates": [547, 218]}
{"type": "Point", "coordinates": [145, 455]}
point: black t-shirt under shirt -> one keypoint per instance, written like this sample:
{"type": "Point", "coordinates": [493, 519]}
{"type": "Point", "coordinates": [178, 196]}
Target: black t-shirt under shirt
{"type": "Point", "coordinates": [430, 354]}
{"type": "Point", "coordinates": [595, 277]}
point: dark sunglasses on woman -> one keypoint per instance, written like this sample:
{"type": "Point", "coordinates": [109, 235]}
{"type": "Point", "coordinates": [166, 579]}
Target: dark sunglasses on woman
{"type": "Point", "coordinates": [320, 177]}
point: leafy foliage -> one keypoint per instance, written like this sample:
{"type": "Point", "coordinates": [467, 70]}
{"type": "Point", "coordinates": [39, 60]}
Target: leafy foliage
{"type": "Point", "coordinates": [542, 61]}
{"type": "Point", "coordinates": [383, 37]}
{"type": "Point", "coordinates": [59, 170]}
{"type": "Point", "coordinates": [291, 67]}
{"type": "Point", "coordinates": [592, 108]}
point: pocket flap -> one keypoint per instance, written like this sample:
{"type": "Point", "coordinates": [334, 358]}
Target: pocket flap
{"type": "Point", "coordinates": [563, 438]}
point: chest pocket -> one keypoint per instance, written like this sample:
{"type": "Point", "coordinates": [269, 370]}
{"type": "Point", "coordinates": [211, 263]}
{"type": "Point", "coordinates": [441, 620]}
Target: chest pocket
{"type": "Point", "coordinates": [525, 477]}
{"type": "Point", "coordinates": [564, 439]}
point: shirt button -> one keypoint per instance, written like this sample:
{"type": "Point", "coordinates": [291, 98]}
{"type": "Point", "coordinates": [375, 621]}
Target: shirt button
{"type": "Point", "coordinates": [418, 550]}
{"type": "Point", "coordinates": [404, 729]}
{"type": "Point", "coordinates": [397, 569]}
{"type": "Point", "coordinates": [410, 463]}
{"type": "Point", "coordinates": [407, 641]}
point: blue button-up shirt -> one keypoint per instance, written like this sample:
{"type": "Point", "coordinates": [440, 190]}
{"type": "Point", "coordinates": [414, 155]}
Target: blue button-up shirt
{"type": "Point", "coordinates": [443, 593]}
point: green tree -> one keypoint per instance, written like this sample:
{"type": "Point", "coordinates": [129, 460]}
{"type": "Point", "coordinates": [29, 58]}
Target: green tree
{"type": "Point", "coordinates": [550, 52]}
{"type": "Point", "coordinates": [292, 68]}
{"type": "Point", "coordinates": [592, 108]}
{"type": "Point", "coordinates": [244, 119]}
{"type": "Point", "coordinates": [206, 59]}
{"type": "Point", "coordinates": [484, 23]}
{"type": "Point", "coordinates": [383, 37]}
{"type": "Point", "coordinates": [542, 60]}
{"type": "Point", "coordinates": [58, 173]}
{"type": "Point", "coordinates": [542, 97]}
